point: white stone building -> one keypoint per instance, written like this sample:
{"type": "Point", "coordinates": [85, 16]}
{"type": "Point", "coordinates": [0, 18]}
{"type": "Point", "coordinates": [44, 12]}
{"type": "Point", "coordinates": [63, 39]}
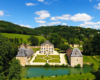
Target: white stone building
{"type": "Point", "coordinates": [75, 57]}
{"type": "Point", "coordinates": [47, 48]}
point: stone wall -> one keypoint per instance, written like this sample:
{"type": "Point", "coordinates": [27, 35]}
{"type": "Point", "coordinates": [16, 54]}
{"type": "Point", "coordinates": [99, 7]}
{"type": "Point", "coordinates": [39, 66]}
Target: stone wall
{"type": "Point", "coordinates": [22, 60]}
{"type": "Point", "coordinates": [76, 60]}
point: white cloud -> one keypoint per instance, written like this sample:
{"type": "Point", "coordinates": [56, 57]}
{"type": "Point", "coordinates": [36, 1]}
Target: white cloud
{"type": "Point", "coordinates": [41, 21]}
{"type": "Point", "coordinates": [63, 17]}
{"type": "Point", "coordinates": [41, 0]}
{"type": "Point", "coordinates": [1, 13]}
{"type": "Point", "coordinates": [53, 18]}
{"type": "Point", "coordinates": [90, 0]}
{"type": "Point", "coordinates": [42, 25]}
{"type": "Point", "coordinates": [89, 23]}
{"type": "Point", "coordinates": [53, 23]}
{"type": "Point", "coordinates": [88, 27]}
{"type": "Point", "coordinates": [43, 14]}
{"type": "Point", "coordinates": [50, 24]}
{"type": "Point", "coordinates": [64, 24]}
{"type": "Point", "coordinates": [25, 25]}
{"type": "Point", "coordinates": [95, 25]}
{"type": "Point", "coordinates": [30, 4]}
{"type": "Point", "coordinates": [97, 6]}
{"type": "Point", "coordinates": [81, 17]}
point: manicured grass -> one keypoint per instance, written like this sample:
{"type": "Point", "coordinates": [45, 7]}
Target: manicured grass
{"type": "Point", "coordinates": [54, 60]}
{"type": "Point", "coordinates": [35, 49]}
{"type": "Point", "coordinates": [66, 77]}
{"type": "Point", "coordinates": [54, 56]}
{"type": "Point", "coordinates": [95, 62]}
{"type": "Point", "coordinates": [86, 59]}
{"type": "Point", "coordinates": [24, 37]}
{"type": "Point", "coordinates": [92, 60]}
{"type": "Point", "coordinates": [98, 57]}
{"type": "Point", "coordinates": [39, 60]}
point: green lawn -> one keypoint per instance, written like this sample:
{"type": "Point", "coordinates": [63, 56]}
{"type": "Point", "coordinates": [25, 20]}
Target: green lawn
{"type": "Point", "coordinates": [24, 37]}
{"type": "Point", "coordinates": [65, 77]}
{"type": "Point", "coordinates": [54, 56]}
{"type": "Point", "coordinates": [86, 59]}
{"type": "Point", "coordinates": [92, 60]}
{"type": "Point", "coordinates": [54, 60]}
{"type": "Point", "coordinates": [39, 60]}
{"type": "Point", "coordinates": [98, 57]}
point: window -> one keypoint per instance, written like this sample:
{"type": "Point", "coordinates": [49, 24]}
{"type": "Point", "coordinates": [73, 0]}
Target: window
{"type": "Point", "coordinates": [76, 53]}
{"type": "Point", "coordinates": [77, 59]}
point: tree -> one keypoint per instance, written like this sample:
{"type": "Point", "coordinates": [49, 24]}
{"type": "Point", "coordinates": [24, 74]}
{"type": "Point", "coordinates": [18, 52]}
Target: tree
{"type": "Point", "coordinates": [96, 43]}
{"type": "Point", "coordinates": [42, 41]}
{"type": "Point", "coordinates": [72, 41]}
{"type": "Point", "coordinates": [87, 47]}
{"type": "Point", "coordinates": [64, 47]}
{"type": "Point", "coordinates": [34, 40]}
{"type": "Point", "coordinates": [7, 53]}
{"type": "Point", "coordinates": [14, 70]}
{"type": "Point", "coordinates": [2, 76]}
{"type": "Point", "coordinates": [55, 39]}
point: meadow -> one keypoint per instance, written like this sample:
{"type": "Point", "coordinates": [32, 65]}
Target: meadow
{"type": "Point", "coordinates": [24, 37]}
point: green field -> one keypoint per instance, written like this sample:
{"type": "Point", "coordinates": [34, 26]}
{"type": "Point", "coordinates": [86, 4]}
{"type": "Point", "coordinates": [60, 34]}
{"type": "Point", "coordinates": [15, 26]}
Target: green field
{"type": "Point", "coordinates": [24, 37]}
{"type": "Point", "coordinates": [66, 77]}
{"type": "Point", "coordinates": [92, 60]}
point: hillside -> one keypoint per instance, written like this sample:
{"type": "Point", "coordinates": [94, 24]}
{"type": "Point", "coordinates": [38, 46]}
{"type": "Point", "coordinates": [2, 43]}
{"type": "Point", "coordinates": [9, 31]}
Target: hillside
{"type": "Point", "coordinates": [66, 32]}
{"type": "Point", "coordinates": [24, 37]}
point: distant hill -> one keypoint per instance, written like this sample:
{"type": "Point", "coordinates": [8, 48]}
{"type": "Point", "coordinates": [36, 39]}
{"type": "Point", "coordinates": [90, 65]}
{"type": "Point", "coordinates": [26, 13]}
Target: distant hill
{"type": "Point", "coordinates": [8, 27]}
{"type": "Point", "coordinates": [66, 32]}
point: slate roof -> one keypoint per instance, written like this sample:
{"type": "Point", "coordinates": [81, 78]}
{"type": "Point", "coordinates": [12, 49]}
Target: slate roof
{"type": "Point", "coordinates": [25, 52]}
{"type": "Point", "coordinates": [79, 54]}
{"type": "Point", "coordinates": [47, 42]}
{"type": "Point", "coordinates": [72, 53]}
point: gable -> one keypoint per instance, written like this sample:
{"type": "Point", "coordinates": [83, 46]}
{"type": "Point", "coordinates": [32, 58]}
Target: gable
{"type": "Point", "coordinates": [76, 53]}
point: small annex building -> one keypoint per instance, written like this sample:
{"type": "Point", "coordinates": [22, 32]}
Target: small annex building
{"type": "Point", "coordinates": [24, 55]}
{"type": "Point", "coordinates": [75, 57]}
{"type": "Point", "coordinates": [47, 48]}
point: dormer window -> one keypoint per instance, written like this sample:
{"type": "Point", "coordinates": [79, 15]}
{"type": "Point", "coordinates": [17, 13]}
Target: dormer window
{"type": "Point", "coordinates": [76, 53]}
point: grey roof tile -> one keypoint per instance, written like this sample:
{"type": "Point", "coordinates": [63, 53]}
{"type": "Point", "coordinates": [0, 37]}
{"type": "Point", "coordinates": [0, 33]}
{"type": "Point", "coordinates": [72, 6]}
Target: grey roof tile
{"type": "Point", "coordinates": [24, 52]}
{"type": "Point", "coordinates": [47, 42]}
{"type": "Point", "coordinates": [76, 53]}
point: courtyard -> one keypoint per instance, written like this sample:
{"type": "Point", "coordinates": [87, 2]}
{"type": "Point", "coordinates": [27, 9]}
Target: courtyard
{"type": "Point", "coordinates": [51, 59]}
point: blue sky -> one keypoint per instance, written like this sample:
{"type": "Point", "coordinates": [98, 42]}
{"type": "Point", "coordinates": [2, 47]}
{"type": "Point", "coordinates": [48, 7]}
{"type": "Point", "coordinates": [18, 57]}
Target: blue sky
{"type": "Point", "coordinates": [35, 13]}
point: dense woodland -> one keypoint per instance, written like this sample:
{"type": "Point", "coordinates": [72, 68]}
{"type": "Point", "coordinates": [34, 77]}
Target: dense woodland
{"type": "Point", "coordinates": [9, 66]}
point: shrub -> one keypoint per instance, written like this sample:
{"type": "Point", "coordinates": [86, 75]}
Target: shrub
{"type": "Point", "coordinates": [27, 77]}
{"type": "Point", "coordinates": [46, 65]}
{"type": "Point", "coordinates": [62, 65]}
{"type": "Point", "coordinates": [56, 75]}
{"type": "Point", "coordinates": [77, 66]}
{"type": "Point", "coordinates": [80, 73]}
{"type": "Point", "coordinates": [42, 76]}
{"type": "Point", "coordinates": [66, 66]}
{"type": "Point", "coordinates": [68, 74]}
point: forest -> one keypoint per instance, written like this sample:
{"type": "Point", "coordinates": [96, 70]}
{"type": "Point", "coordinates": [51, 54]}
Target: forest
{"type": "Point", "coordinates": [67, 32]}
